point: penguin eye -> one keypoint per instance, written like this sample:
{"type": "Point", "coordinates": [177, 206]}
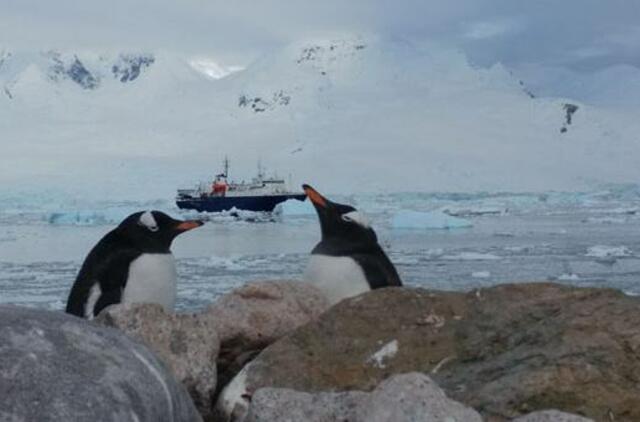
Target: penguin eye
{"type": "Point", "coordinates": [346, 218]}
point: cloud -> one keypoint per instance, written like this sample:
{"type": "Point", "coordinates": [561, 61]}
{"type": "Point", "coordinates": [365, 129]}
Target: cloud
{"type": "Point", "coordinates": [235, 32]}
{"type": "Point", "coordinates": [491, 29]}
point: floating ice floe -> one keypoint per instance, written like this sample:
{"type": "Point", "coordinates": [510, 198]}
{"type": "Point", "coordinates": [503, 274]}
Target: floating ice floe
{"type": "Point", "coordinates": [605, 220]}
{"type": "Point", "coordinates": [602, 251]}
{"type": "Point", "coordinates": [293, 207]}
{"type": "Point", "coordinates": [516, 249]}
{"type": "Point", "coordinates": [471, 256]}
{"type": "Point", "coordinates": [233, 215]}
{"type": "Point", "coordinates": [407, 219]}
{"type": "Point", "coordinates": [569, 277]}
{"type": "Point", "coordinates": [401, 259]}
{"type": "Point", "coordinates": [88, 218]}
{"type": "Point", "coordinates": [474, 212]}
{"type": "Point", "coordinates": [626, 211]}
{"type": "Point", "coordinates": [481, 274]}
{"type": "Point", "coordinates": [227, 263]}
{"type": "Point", "coordinates": [102, 214]}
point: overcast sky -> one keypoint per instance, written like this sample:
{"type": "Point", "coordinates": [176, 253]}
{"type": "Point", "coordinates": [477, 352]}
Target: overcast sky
{"type": "Point", "coordinates": [578, 34]}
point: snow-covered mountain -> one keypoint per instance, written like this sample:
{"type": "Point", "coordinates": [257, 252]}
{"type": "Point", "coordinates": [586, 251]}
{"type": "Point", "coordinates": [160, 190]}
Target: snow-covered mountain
{"type": "Point", "coordinates": [346, 114]}
{"type": "Point", "coordinates": [87, 72]}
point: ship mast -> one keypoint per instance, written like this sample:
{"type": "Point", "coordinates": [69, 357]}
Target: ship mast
{"type": "Point", "coordinates": [260, 170]}
{"type": "Point", "coordinates": [225, 163]}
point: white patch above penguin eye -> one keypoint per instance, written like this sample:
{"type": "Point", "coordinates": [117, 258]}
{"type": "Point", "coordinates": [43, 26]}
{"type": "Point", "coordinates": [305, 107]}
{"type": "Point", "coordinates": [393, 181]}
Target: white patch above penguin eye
{"type": "Point", "coordinates": [147, 220]}
{"type": "Point", "coordinates": [358, 218]}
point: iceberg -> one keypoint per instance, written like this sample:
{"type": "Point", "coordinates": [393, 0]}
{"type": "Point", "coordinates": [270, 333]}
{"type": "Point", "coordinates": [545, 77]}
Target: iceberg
{"type": "Point", "coordinates": [407, 219]}
{"type": "Point", "coordinates": [295, 208]}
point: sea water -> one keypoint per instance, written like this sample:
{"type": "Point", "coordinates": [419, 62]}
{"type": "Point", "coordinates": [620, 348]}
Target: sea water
{"type": "Point", "coordinates": [583, 239]}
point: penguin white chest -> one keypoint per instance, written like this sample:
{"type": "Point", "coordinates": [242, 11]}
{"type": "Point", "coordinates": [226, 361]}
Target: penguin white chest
{"type": "Point", "coordinates": [152, 279]}
{"type": "Point", "coordinates": [338, 277]}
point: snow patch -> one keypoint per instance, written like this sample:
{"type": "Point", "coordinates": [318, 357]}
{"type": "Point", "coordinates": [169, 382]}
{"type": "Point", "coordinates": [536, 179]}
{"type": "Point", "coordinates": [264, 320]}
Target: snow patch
{"type": "Point", "coordinates": [388, 351]}
{"type": "Point", "coordinates": [569, 277]}
{"type": "Point", "coordinates": [407, 219]}
{"type": "Point", "coordinates": [235, 394]}
{"type": "Point", "coordinates": [481, 274]}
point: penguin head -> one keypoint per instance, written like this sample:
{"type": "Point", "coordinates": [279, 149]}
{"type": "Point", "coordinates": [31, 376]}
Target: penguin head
{"type": "Point", "coordinates": [153, 231]}
{"type": "Point", "coordinates": [340, 220]}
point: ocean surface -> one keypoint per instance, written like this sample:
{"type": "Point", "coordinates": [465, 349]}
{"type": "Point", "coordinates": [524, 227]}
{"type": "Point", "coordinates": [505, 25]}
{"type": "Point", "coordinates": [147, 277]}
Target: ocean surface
{"type": "Point", "coordinates": [582, 239]}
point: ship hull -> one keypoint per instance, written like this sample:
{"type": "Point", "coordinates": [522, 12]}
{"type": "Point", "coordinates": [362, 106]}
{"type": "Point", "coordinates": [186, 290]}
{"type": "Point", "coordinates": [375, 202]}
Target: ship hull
{"type": "Point", "coordinates": [225, 203]}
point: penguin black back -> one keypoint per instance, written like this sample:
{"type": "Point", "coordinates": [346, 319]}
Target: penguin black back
{"type": "Point", "coordinates": [104, 274]}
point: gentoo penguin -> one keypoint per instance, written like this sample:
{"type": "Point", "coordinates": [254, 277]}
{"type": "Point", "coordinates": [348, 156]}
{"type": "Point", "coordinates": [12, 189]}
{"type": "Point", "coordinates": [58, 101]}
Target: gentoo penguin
{"type": "Point", "coordinates": [348, 260]}
{"type": "Point", "coordinates": [131, 263]}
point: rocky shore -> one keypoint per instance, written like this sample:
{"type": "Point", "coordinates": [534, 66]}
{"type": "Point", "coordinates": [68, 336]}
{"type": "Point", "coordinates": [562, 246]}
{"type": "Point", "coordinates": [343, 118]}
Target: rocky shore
{"type": "Point", "coordinates": [275, 351]}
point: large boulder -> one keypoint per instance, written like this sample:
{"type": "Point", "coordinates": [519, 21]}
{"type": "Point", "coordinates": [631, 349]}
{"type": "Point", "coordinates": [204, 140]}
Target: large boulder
{"type": "Point", "coordinates": [57, 367]}
{"type": "Point", "coordinates": [257, 314]}
{"type": "Point", "coordinates": [402, 398]}
{"type": "Point", "coordinates": [505, 351]}
{"type": "Point", "coordinates": [186, 343]}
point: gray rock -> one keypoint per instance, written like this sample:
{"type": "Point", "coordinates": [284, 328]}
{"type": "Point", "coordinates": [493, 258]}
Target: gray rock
{"type": "Point", "coordinates": [187, 344]}
{"type": "Point", "coordinates": [256, 315]}
{"type": "Point", "coordinates": [56, 367]}
{"type": "Point", "coordinates": [551, 416]}
{"type": "Point", "coordinates": [505, 351]}
{"type": "Point", "coordinates": [401, 398]}
{"type": "Point", "coordinates": [284, 405]}
{"type": "Point", "coordinates": [413, 397]}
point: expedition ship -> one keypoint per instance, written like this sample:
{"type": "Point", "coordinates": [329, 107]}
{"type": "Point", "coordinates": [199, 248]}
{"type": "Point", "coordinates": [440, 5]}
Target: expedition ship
{"type": "Point", "coordinates": [261, 194]}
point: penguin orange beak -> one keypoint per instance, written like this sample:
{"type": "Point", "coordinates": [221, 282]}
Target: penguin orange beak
{"type": "Point", "coordinates": [314, 196]}
{"type": "Point", "coordinates": [188, 225]}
